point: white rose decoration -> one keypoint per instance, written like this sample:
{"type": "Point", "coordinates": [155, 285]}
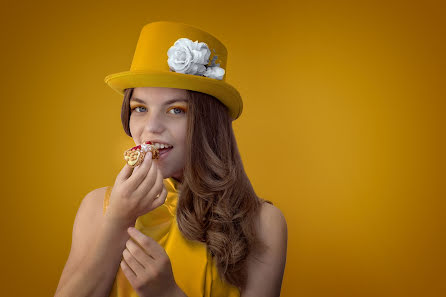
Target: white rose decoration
{"type": "Point", "coordinates": [214, 72]}
{"type": "Point", "coordinates": [189, 57]}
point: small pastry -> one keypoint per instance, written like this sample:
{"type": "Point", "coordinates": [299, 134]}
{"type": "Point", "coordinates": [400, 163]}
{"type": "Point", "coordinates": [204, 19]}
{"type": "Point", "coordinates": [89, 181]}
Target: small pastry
{"type": "Point", "coordinates": [135, 155]}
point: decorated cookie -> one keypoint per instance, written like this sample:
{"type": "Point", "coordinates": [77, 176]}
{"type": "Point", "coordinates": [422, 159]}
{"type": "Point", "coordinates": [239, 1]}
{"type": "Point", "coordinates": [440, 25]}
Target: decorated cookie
{"type": "Point", "coordinates": [135, 155]}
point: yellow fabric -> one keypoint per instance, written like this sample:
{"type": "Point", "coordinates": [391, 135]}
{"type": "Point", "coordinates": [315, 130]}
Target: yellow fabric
{"type": "Point", "coordinates": [193, 267]}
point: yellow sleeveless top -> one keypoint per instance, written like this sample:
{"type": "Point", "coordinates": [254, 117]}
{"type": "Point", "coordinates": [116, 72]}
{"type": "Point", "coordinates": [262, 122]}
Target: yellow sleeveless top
{"type": "Point", "coordinates": [193, 267]}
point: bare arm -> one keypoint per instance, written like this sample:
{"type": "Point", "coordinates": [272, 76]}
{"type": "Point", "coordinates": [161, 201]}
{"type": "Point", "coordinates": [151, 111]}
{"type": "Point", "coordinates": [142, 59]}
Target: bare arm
{"type": "Point", "coordinates": [99, 240]}
{"type": "Point", "coordinates": [97, 246]}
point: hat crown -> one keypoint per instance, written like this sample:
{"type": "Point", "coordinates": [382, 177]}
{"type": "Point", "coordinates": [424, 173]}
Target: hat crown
{"type": "Point", "coordinates": [156, 38]}
{"type": "Point", "coordinates": [159, 61]}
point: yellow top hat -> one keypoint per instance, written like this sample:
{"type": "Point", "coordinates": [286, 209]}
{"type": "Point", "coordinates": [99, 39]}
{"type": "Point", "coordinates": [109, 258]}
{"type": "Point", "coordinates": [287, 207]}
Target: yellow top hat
{"type": "Point", "coordinates": [176, 55]}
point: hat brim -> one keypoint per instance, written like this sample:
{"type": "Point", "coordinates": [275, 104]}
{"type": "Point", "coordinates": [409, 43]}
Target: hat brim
{"type": "Point", "coordinates": [223, 91]}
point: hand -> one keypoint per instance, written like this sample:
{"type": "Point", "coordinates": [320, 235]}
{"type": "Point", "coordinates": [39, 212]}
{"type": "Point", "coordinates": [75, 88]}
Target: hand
{"type": "Point", "coordinates": [147, 266]}
{"type": "Point", "coordinates": [136, 192]}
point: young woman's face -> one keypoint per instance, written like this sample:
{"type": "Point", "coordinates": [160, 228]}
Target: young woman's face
{"type": "Point", "coordinates": [160, 116]}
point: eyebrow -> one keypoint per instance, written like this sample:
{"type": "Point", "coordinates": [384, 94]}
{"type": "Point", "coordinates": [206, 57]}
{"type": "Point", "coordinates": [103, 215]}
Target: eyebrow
{"type": "Point", "coordinates": [165, 103]}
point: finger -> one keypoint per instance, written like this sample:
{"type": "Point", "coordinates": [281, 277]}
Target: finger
{"type": "Point", "coordinates": [133, 263]}
{"type": "Point", "coordinates": [140, 171]}
{"type": "Point", "coordinates": [145, 155]}
{"type": "Point", "coordinates": [161, 198]}
{"type": "Point", "coordinates": [125, 173]}
{"type": "Point", "coordinates": [162, 195]}
{"type": "Point", "coordinates": [146, 163]}
{"type": "Point", "coordinates": [147, 243]}
{"type": "Point", "coordinates": [158, 185]}
{"type": "Point", "coordinates": [148, 182]}
{"type": "Point", "coordinates": [129, 273]}
{"type": "Point", "coordinates": [139, 253]}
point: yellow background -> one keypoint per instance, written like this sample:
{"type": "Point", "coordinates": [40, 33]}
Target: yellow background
{"type": "Point", "coordinates": [342, 128]}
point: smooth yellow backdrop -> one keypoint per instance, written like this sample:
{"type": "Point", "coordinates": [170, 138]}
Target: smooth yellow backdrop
{"type": "Point", "coordinates": [343, 129]}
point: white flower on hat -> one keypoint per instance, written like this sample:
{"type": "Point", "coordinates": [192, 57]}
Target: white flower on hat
{"type": "Point", "coordinates": [189, 57]}
{"type": "Point", "coordinates": [214, 72]}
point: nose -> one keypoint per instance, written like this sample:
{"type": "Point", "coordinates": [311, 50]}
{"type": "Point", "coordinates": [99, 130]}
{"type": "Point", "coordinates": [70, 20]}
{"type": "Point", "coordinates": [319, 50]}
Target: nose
{"type": "Point", "coordinates": [154, 123]}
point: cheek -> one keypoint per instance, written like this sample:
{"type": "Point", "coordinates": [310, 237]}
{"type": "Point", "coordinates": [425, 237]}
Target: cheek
{"type": "Point", "coordinates": [181, 131]}
{"type": "Point", "coordinates": [133, 126]}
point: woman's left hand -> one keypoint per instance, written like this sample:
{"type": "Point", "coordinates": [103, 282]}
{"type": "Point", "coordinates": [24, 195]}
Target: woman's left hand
{"type": "Point", "coordinates": [147, 266]}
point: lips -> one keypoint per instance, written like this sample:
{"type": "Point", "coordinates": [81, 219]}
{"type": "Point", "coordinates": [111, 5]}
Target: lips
{"type": "Point", "coordinates": [163, 152]}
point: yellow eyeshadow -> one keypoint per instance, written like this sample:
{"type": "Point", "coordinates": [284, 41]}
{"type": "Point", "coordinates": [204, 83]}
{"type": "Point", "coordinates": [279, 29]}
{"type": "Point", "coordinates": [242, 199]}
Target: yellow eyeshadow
{"type": "Point", "coordinates": [184, 108]}
{"type": "Point", "coordinates": [180, 107]}
{"type": "Point", "coordinates": [135, 106]}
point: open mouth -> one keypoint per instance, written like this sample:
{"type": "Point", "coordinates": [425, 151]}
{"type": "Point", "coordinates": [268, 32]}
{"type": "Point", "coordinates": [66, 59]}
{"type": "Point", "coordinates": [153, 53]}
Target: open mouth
{"type": "Point", "coordinates": [164, 150]}
{"type": "Point", "coordinates": [161, 147]}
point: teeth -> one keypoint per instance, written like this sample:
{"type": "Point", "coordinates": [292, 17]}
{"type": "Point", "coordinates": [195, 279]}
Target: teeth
{"type": "Point", "coordinates": [161, 145]}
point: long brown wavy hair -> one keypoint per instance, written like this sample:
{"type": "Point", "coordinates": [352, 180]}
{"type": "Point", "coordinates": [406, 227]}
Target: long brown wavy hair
{"type": "Point", "coordinates": [217, 203]}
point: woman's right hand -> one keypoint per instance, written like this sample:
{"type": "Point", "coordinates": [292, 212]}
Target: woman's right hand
{"type": "Point", "coordinates": [136, 191]}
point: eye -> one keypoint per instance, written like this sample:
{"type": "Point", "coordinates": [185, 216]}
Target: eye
{"type": "Point", "coordinates": [177, 110]}
{"type": "Point", "coordinates": [135, 108]}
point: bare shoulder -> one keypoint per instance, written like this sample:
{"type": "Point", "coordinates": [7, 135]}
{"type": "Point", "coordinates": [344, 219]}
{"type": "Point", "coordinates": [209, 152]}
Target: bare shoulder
{"type": "Point", "coordinates": [88, 218]}
{"type": "Point", "coordinates": [89, 215]}
{"type": "Point", "coordinates": [268, 264]}
{"type": "Point", "coordinates": [94, 201]}
{"type": "Point", "coordinates": [272, 226]}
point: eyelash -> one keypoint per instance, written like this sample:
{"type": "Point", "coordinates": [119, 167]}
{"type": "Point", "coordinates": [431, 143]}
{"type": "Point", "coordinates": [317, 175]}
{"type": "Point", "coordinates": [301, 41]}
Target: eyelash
{"type": "Point", "coordinates": [175, 107]}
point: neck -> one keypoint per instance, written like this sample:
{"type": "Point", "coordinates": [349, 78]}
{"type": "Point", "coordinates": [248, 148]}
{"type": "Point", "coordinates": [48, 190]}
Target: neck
{"type": "Point", "coordinates": [178, 178]}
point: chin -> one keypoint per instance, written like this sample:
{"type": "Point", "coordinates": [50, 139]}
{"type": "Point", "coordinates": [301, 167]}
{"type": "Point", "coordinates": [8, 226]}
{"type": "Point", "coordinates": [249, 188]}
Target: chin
{"type": "Point", "coordinates": [167, 172]}
{"type": "Point", "coordinates": [163, 173]}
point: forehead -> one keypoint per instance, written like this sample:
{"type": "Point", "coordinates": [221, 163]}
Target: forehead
{"type": "Point", "coordinates": [157, 94]}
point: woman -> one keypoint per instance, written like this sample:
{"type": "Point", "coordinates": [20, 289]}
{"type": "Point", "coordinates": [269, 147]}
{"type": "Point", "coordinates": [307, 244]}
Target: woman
{"type": "Point", "coordinates": [188, 223]}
